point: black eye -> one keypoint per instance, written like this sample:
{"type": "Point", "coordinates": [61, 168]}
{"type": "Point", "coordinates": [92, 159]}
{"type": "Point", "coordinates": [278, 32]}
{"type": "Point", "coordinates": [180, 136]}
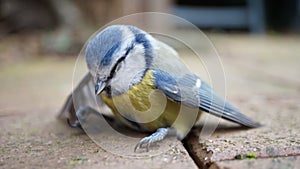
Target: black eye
{"type": "Point", "coordinates": [116, 67]}
{"type": "Point", "coordinates": [119, 63]}
{"type": "Point", "coordinates": [119, 67]}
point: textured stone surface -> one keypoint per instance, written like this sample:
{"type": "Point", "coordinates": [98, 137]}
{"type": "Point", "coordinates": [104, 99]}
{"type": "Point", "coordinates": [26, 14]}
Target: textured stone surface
{"type": "Point", "coordinates": [262, 82]}
{"type": "Point", "coordinates": [32, 137]}
{"type": "Point", "coordinates": [292, 162]}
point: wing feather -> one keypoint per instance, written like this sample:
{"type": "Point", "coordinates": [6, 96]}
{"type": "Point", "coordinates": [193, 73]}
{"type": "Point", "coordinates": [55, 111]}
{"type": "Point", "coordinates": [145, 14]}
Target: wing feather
{"type": "Point", "coordinates": [184, 89]}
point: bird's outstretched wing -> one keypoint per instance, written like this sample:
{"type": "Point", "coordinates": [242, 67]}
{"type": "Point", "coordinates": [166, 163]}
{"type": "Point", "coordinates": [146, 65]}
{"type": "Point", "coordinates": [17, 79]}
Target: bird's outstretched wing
{"type": "Point", "coordinates": [190, 90]}
{"type": "Point", "coordinates": [83, 95]}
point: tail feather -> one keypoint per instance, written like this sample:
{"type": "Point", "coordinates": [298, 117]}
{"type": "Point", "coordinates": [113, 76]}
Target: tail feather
{"type": "Point", "coordinates": [213, 104]}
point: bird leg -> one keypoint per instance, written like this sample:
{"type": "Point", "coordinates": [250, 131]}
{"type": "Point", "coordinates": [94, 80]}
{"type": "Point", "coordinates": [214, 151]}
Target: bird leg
{"type": "Point", "coordinates": [159, 135]}
{"type": "Point", "coordinates": [82, 110]}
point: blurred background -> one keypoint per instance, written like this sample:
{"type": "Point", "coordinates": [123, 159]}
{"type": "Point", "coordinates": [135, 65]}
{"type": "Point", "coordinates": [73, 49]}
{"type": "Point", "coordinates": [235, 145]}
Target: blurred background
{"type": "Point", "coordinates": [258, 41]}
{"type": "Point", "coordinates": [62, 27]}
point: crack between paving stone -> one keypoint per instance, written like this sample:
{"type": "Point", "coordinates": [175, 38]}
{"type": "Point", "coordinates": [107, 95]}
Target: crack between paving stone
{"type": "Point", "coordinates": [197, 152]}
{"type": "Point", "coordinates": [202, 157]}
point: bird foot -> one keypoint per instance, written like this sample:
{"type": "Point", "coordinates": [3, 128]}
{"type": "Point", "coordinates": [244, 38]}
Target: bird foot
{"type": "Point", "coordinates": [159, 135]}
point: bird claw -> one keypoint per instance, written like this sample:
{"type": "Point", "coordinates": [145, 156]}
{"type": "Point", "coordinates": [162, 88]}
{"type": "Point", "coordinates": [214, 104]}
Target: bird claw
{"type": "Point", "coordinates": [145, 141]}
{"type": "Point", "coordinates": [75, 124]}
{"type": "Point", "coordinates": [159, 135]}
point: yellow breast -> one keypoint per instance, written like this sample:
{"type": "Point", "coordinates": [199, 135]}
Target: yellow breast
{"type": "Point", "coordinates": [145, 105]}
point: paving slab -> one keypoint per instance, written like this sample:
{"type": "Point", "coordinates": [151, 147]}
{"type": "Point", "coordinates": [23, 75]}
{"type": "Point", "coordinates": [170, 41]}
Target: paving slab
{"type": "Point", "coordinates": [261, 81]}
{"type": "Point", "coordinates": [292, 162]}
{"type": "Point", "coordinates": [31, 136]}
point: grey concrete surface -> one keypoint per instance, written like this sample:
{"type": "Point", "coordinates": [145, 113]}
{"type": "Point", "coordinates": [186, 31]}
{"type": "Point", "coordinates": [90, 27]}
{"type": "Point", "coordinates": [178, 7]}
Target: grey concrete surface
{"type": "Point", "coordinates": [32, 137]}
{"type": "Point", "coordinates": [262, 82]}
{"type": "Point", "coordinates": [291, 162]}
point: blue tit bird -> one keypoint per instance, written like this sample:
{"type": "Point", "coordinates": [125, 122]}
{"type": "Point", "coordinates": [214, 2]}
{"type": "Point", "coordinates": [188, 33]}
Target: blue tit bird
{"type": "Point", "coordinates": [134, 74]}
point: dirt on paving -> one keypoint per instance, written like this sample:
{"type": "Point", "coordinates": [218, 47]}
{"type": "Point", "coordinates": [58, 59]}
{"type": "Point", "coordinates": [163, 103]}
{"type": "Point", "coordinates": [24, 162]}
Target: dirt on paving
{"type": "Point", "coordinates": [261, 76]}
{"type": "Point", "coordinates": [33, 137]}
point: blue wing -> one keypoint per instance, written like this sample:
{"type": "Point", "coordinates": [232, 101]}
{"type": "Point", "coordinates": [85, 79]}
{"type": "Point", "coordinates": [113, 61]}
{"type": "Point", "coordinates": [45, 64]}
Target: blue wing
{"type": "Point", "coordinates": [184, 89]}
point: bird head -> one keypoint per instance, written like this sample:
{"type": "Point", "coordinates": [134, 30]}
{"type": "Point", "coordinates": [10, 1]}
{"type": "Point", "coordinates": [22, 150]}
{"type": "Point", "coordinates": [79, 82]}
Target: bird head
{"type": "Point", "coordinates": [118, 57]}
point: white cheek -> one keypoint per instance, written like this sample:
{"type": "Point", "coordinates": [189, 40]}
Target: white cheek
{"type": "Point", "coordinates": [131, 70]}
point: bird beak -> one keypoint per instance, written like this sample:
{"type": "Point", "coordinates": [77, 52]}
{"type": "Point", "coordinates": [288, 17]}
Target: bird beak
{"type": "Point", "coordinates": [99, 87]}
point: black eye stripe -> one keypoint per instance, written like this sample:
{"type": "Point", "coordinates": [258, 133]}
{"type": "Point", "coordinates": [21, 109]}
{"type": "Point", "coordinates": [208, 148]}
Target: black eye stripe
{"type": "Point", "coordinates": [113, 70]}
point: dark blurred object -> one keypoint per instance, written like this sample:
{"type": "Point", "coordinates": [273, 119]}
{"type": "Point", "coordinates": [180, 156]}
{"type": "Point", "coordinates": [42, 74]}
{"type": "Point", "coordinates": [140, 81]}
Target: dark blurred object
{"type": "Point", "coordinates": [26, 15]}
{"type": "Point", "coordinates": [254, 15]}
{"type": "Point", "coordinates": [60, 23]}
{"type": "Point", "coordinates": [65, 25]}
{"type": "Point", "coordinates": [283, 15]}
{"type": "Point", "coordinates": [231, 14]}
{"type": "Point", "coordinates": [212, 3]}
{"type": "Point", "coordinates": [76, 20]}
